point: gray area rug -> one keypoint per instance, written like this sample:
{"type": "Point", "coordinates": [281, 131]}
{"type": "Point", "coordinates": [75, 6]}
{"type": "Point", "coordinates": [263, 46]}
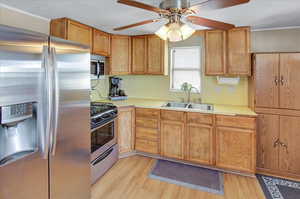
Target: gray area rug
{"type": "Point", "coordinates": [189, 176]}
{"type": "Point", "coordinates": [278, 188]}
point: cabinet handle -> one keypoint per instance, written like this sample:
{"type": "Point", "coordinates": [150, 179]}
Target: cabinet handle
{"type": "Point", "coordinates": [276, 143]}
{"type": "Point", "coordinates": [276, 80]}
{"type": "Point", "coordinates": [284, 146]}
{"type": "Point", "coordinates": [281, 80]}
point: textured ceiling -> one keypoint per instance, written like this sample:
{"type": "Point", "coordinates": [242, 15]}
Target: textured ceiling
{"type": "Point", "coordinates": [107, 14]}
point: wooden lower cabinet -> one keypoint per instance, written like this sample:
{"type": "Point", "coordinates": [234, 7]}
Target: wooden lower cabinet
{"type": "Point", "coordinates": [278, 145]}
{"type": "Point", "coordinates": [172, 139]}
{"type": "Point", "coordinates": [289, 151]}
{"type": "Point", "coordinates": [200, 143]}
{"type": "Point", "coordinates": [235, 149]}
{"type": "Point", "coordinates": [267, 135]}
{"type": "Point", "coordinates": [126, 128]}
{"type": "Point", "coordinates": [147, 130]}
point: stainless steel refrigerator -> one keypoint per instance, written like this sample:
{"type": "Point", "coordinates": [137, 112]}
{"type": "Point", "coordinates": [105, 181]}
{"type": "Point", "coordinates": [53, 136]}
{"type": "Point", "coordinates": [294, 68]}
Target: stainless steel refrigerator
{"type": "Point", "coordinates": [45, 118]}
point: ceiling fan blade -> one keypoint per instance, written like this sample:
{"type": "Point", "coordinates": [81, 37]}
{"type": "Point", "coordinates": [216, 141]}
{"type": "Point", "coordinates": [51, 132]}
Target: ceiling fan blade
{"type": "Point", "coordinates": [136, 24]}
{"type": "Point", "coordinates": [209, 23]}
{"type": "Point", "coordinates": [217, 4]}
{"type": "Point", "coordinates": [142, 6]}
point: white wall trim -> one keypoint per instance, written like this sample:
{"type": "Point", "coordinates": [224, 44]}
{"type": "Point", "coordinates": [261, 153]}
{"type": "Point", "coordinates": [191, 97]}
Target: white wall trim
{"type": "Point", "coordinates": [24, 12]}
{"type": "Point", "coordinates": [279, 28]}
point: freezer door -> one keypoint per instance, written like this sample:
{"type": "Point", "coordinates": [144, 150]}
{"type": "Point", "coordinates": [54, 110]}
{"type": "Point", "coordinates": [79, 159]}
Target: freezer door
{"type": "Point", "coordinates": [70, 148]}
{"type": "Point", "coordinates": [21, 76]}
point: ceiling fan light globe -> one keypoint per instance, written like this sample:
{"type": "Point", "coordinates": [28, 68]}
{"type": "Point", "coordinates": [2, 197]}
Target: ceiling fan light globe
{"type": "Point", "coordinates": [162, 32]}
{"type": "Point", "coordinates": [186, 31]}
{"type": "Point", "coordinates": [174, 35]}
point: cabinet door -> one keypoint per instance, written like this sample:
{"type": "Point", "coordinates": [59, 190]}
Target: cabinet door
{"type": "Point", "coordinates": [101, 43]}
{"type": "Point", "coordinates": [290, 76]}
{"type": "Point", "coordinates": [156, 55]}
{"type": "Point", "coordinates": [139, 54]}
{"type": "Point", "coordinates": [215, 52]}
{"type": "Point", "coordinates": [79, 33]}
{"type": "Point", "coordinates": [200, 141]}
{"type": "Point", "coordinates": [267, 80]}
{"type": "Point", "coordinates": [235, 149]}
{"type": "Point", "coordinates": [172, 139]}
{"type": "Point", "coordinates": [238, 51]}
{"type": "Point", "coordinates": [267, 135]}
{"type": "Point", "coordinates": [289, 156]}
{"type": "Point", "coordinates": [126, 130]}
{"type": "Point", "coordinates": [120, 61]}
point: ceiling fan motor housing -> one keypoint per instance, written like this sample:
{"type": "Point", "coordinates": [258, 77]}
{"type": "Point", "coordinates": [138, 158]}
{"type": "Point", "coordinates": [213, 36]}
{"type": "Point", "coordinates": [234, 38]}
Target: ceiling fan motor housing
{"type": "Point", "coordinates": [174, 4]}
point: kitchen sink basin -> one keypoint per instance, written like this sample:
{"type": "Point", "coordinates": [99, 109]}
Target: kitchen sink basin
{"type": "Point", "coordinates": [176, 105]}
{"type": "Point", "coordinates": [205, 107]}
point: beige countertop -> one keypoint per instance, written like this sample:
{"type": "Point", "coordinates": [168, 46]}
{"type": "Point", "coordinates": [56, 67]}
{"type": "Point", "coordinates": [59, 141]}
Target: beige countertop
{"type": "Point", "coordinates": [153, 103]}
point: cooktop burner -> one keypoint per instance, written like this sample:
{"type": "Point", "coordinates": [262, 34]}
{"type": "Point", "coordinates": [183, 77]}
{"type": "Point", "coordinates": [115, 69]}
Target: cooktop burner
{"type": "Point", "coordinates": [100, 107]}
{"type": "Point", "coordinates": [101, 113]}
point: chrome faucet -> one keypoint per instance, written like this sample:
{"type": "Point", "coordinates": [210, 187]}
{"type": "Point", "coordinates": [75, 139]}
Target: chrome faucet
{"type": "Point", "coordinates": [187, 88]}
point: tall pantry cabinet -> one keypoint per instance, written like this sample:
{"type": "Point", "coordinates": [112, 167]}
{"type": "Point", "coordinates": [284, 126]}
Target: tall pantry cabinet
{"type": "Point", "coordinates": [276, 91]}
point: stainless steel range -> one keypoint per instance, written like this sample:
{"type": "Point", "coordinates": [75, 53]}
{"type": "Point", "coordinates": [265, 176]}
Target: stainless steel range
{"type": "Point", "coordinates": [104, 146]}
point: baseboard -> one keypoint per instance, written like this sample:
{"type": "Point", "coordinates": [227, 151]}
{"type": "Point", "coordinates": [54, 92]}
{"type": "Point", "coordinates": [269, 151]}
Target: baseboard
{"type": "Point", "coordinates": [128, 154]}
{"type": "Point", "coordinates": [278, 174]}
{"type": "Point", "coordinates": [192, 164]}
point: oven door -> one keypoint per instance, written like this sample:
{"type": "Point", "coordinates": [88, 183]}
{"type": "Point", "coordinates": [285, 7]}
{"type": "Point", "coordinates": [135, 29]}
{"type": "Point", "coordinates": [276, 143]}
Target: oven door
{"type": "Point", "coordinates": [103, 138]}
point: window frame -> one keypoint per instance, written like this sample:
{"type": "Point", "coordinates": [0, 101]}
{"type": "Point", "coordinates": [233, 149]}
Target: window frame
{"type": "Point", "coordinates": [171, 86]}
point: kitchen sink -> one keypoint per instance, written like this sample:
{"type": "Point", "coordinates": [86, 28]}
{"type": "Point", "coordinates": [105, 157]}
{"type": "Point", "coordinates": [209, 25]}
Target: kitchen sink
{"type": "Point", "coordinates": [203, 107]}
{"type": "Point", "coordinates": [176, 105]}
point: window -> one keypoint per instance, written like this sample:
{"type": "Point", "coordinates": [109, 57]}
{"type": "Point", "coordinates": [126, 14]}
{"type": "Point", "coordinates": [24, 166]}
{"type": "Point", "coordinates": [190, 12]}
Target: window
{"type": "Point", "coordinates": [185, 67]}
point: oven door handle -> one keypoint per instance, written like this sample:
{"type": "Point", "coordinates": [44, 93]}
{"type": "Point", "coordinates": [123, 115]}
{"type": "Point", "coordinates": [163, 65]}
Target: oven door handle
{"type": "Point", "coordinates": [102, 156]}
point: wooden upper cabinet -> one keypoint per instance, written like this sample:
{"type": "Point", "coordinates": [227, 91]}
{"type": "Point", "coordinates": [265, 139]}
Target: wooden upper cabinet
{"type": "Point", "coordinates": [215, 52]}
{"type": "Point", "coordinates": [126, 127]}
{"type": "Point", "coordinates": [289, 80]}
{"type": "Point", "coordinates": [238, 50]}
{"type": "Point", "coordinates": [267, 80]}
{"type": "Point", "coordinates": [101, 43]}
{"type": "Point", "coordinates": [267, 135]}
{"type": "Point", "coordinates": [156, 62]}
{"type": "Point", "coordinates": [120, 60]}
{"type": "Point", "coordinates": [289, 156]}
{"type": "Point", "coordinates": [139, 54]}
{"type": "Point", "coordinates": [235, 149]}
{"type": "Point", "coordinates": [200, 143]}
{"type": "Point", "coordinates": [72, 30]}
{"type": "Point", "coordinates": [228, 52]}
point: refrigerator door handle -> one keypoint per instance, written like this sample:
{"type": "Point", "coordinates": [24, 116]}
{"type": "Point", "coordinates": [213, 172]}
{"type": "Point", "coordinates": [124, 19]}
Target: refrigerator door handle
{"type": "Point", "coordinates": [47, 115]}
{"type": "Point", "coordinates": [56, 100]}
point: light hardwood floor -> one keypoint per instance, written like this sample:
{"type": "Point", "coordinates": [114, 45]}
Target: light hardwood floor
{"type": "Point", "coordinates": [128, 179]}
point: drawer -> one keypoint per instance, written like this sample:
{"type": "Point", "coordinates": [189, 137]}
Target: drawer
{"type": "Point", "coordinates": [199, 118]}
{"type": "Point", "coordinates": [148, 123]}
{"type": "Point", "coordinates": [172, 115]}
{"type": "Point", "coordinates": [147, 113]}
{"type": "Point", "coordinates": [146, 133]}
{"type": "Point", "coordinates": [146, 146]}
{"type": "Point", "coordinates": [236, 121]}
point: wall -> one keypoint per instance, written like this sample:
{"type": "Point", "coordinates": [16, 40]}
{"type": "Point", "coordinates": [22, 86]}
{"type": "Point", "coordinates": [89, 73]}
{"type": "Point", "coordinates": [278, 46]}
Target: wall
{"type": "Point", "coordinates": [20, 19]}
{"type": "Point", "coordinates": [157, 87]}
{"type": "Point", "coordinates": [286, 40]}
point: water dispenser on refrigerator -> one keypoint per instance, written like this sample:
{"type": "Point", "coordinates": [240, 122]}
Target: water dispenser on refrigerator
{"type": "Point", "coordinates": [18, 132]}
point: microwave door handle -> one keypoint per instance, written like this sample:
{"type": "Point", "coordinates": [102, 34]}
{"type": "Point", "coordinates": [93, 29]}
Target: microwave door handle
{"type": "Point", "coordinates": [46, 103]}
{"type": "Point", "coordinates": [98, 69]}
{"type": "Point", "coordinates": [55, 101]}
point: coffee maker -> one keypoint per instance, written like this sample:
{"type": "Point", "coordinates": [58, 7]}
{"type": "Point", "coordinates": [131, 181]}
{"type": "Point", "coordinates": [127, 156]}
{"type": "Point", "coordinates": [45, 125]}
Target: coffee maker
{"type": "Point", "coordinates": [116, 91]}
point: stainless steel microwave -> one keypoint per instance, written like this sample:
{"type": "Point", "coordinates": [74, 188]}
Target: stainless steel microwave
{"type": "Point", "coordinates": [97, 66]}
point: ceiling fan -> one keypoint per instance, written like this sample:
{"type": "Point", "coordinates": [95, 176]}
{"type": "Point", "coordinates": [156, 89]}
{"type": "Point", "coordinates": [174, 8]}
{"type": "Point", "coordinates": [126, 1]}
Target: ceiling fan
{"type": "Point", "coordinates": [179, 12]}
